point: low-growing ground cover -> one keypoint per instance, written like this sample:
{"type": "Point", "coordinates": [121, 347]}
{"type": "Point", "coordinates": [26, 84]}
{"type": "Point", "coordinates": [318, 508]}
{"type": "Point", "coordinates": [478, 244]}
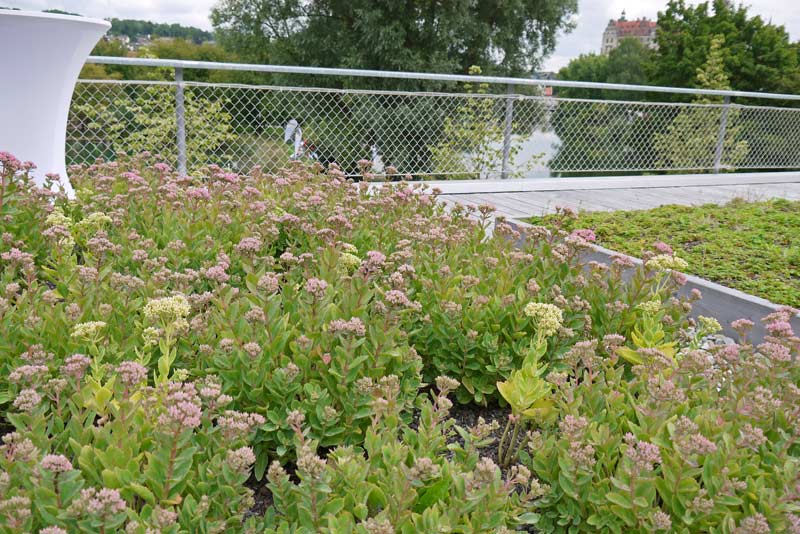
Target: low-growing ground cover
{"type": "Point", "coordinates": [170, 342]}
{"type": "Point", "coordinates": [751, 246]}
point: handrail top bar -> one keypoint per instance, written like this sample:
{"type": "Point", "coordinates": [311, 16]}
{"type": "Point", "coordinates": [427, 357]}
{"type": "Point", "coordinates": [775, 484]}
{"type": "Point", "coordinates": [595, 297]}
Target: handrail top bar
{"type": "Point", "coordinates": [364, 73]}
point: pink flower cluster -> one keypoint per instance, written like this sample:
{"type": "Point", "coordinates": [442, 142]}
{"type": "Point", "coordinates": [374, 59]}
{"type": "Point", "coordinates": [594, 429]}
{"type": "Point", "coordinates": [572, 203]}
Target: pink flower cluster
{"type": "Point", "coordinates": [316, 287]}
{"type": "Point", "coordinates": [354, 326]}
{"type": "Point", "coordinates": [182, 407]}
{"type": "Point", "coordinates": [100, 503]}
{"type": "Point", "coordinates": [643, 455]}
{"type": "Point", "coordinates": [75, 366]}
{"type": "Point", "coordinates": [131, 373]}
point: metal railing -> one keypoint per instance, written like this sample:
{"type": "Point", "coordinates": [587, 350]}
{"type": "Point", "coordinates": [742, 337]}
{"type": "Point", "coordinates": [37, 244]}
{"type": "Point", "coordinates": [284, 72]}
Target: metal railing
{"type": "Point", "coordinates": [463, 127]}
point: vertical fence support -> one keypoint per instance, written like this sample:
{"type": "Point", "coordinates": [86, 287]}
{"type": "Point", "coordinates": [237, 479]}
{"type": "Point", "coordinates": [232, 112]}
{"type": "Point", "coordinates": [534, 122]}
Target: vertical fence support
{"type": "Point", "coordinates": [507, 130]}
{"type": "Point", "coordinates": [723, 126]}
{"type": "Point", "coordinates": [180, 121]}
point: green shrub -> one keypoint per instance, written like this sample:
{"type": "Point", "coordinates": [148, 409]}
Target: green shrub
{"type": "Point", "coordinates": [91, 453]}
{"type": "Point", "coordinates": [402, 480]}
{"type": "Point", "coordinates": [316, 310]}
{"type": "Point", "coordinates": [687, 441]}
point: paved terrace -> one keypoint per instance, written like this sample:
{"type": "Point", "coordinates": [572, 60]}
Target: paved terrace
{"type": "Point", "coordinates": [517, 199]}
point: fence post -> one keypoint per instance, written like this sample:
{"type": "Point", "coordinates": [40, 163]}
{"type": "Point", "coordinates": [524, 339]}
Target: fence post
{"type": "Point", "coordinates": [180, 121]}
{"type": "Point", "coordinates": [507, 131]}
{"type": "Point", "coordinates": [723, 126]}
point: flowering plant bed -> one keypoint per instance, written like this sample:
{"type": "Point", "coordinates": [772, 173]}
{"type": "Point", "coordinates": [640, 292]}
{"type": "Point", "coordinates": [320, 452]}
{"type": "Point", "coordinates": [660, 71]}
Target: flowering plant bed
{"type": "Point", "coordinates": [750, 246]}
{"type": "Point", "coordinates": [170, 343]}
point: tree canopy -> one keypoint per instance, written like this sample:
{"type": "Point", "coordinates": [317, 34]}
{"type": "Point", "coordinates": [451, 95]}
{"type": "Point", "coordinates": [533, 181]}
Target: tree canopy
{"type": "Point", "coordinates": [757, 55]}
{"type": "Point", "coordinates": [502, 36]}
{"type": "Point", "coordinates": [629, 63]}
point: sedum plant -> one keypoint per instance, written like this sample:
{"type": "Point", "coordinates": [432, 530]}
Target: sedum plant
{"type": "Point", "coordinates": [92, 457]}
{"type": "Point", "coordinates": [167, 337]}
{"type": "Point", "coordinates": [705, 441]}
{"type": "Point", "coordinates": [403, 480]}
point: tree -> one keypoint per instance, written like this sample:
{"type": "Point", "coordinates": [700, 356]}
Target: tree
{"type": "Point", "coordinates": [604, 135]}
{"type": "Point", "coordinates": [758, 56]}
{"type": "Point", "coordinates": [629, 63]}
{"type": "Point", "coordinates": [691, 139]}
{"type": "Point", "coordinates": [501, 36]}
{"type": "Point", "coordinates": [584, 68]}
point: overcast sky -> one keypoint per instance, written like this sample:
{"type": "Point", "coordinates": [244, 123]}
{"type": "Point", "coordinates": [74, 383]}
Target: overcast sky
{"type": "Point", "coordinates": [591, 20]}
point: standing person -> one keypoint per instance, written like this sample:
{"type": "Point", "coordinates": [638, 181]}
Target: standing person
{"type": "Point", "coordinates": [293, 134]}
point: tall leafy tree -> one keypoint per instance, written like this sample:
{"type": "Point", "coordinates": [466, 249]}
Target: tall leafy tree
{"type": "Point", "coordinates": [691, 139]}
{"type": "Point", "coordinates": [501, 36]}
{"type": "Point", "coordinates": [757, 56]}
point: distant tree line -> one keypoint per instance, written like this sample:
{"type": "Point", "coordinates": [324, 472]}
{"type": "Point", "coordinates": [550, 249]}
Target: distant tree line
{"type": "Point", "coordinates": [137, 28]}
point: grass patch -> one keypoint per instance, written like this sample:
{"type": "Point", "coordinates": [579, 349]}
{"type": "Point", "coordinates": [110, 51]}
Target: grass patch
{"type": "Point", "coordinates": [750, 246]}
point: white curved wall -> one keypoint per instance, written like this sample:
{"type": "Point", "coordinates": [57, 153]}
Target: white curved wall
{"type": "Point", "coordinates": [41, 55]}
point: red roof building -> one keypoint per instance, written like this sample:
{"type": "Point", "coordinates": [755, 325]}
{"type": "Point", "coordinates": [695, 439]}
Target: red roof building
{"type": "Point", "coordinates": [642, 29]}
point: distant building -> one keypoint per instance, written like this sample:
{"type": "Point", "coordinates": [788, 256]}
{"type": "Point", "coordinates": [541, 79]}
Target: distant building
{"type": "Point", "coordinates": [642, 29]}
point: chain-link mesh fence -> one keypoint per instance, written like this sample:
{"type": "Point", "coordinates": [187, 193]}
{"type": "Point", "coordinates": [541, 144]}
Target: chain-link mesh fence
{"type": "Point", "coordinates": [425, 134]}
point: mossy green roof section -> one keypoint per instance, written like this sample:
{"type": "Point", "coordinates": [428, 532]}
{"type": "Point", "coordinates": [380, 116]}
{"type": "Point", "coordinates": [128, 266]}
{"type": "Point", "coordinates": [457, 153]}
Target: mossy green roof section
{"type": "Point", "coordinates": [750, 246]}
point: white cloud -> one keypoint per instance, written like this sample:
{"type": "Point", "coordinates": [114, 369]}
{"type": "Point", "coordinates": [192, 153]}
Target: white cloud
{"type": "Point", "coordinates": [186, 12]}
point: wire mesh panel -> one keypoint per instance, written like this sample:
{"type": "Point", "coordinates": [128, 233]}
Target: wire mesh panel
{"type": "Point", "coordinates": [429, 134]}
{"type": "Point", "coordinates": [107, 117]}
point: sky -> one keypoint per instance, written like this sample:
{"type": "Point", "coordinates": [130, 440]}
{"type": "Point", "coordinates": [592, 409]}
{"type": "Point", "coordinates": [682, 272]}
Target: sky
{"type": "Point", "coordinates": [593, 15]}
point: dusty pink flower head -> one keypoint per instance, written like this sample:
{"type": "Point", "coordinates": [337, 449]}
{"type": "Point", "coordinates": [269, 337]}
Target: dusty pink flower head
{"type": "Point", "coordinates": [249, 245]}
{"type": "Point", "coordinates": [316, 287]}
{"type": "Point", "coordinates": [662, 248]}
{"type": "Point", "coordinates": [241, 459]}
{"type": "Point", "coordinates": [585, 234]}
{"type": "Point", "coordinates": [373, 263]}
{"type": "Point", "coordinates": [643, 454]}
{"type": "Point", "coordinates": [100, 503]}
{"type": "Point", "coordinates": [780, 329]}
{"type": "Point", "coordinates": [573, 427]}
{"type": "Point", "coordinates": [270, 282]}
{"type": "Point", "coordinates": [52, 530]}
{"type": "Point", "coordinates": [182, 407]}
{"type": "Point", "coordinates": [217, 274]}
{"type": "Point", "coordinates": [236, 425]}
{"type": "Point", "coordinates": [28, 373]}
{"type": "Point", "coordinates": [252, 348]}
{"type": "Point", "coordinates": [131, 373]}
{"type": "Point", "coordinates": [395, 297]}
{"type": "Point", "coordinates": [742, 325]}
{"type": "Point", "coordinates": [354, 326]}
{"type": "Point", "coordinates": [755, 524]}
{"type": "Point", "coordinates": [775, 352]}
{"type": "Point", "coordinates": [56, 463]}
{"type": "Point", "coordinates": [27, 400]}
{"type": "Point", "coordinates": [198, 193]}
{"type": "Point", "coordinates": [75, 366]}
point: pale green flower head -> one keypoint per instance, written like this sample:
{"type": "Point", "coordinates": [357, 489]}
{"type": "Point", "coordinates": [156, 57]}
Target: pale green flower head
{"type": "Point", "coordinates": [347, 247]}
{"type": "Point", "coordinates": [87, 330]}
{"type": "Point", "coordinates": [57, 218]}
{"type": "Point", "coordinates": [151, 335]}
{"type": "Point", "coordinates": [651, 306]}
{"type": "Point", "coordinates": [93, 222]}
{"type": "Point", "coordinates": [666, 262]}
{"type": "Point", "coordinates": [347, 263]}
{"type": "Point", "coordinates": [548, 317]}
{"type": "Point", "coordinates": [709, 325]}
{"type": "Point", "coordinates": [167, 309]}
